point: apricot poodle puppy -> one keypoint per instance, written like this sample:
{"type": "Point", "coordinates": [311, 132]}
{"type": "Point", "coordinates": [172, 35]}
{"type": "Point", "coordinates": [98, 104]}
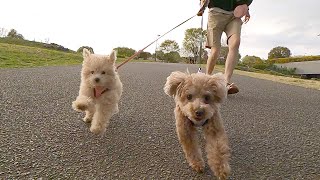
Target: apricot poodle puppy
{"type": "Point", "coordinates": [198, 97]}
{"type": "Point", "coordinates": [100, 90]}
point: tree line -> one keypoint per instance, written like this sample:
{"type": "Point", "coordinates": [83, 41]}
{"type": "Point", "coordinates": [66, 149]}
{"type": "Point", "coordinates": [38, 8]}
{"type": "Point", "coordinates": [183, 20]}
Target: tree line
{"type": "Point", "coordinates": [169, 50]}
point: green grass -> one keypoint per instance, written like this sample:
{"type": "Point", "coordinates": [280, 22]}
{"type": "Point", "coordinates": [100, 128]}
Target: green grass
{"type": "Point", "coordinates": [24, 42]}
{"type": "Point", "coordinates": [21, 42]}
{"type": "Point", "coordinates": [17, 56]}
{"type": "Point", "coordinates": [21, 56]}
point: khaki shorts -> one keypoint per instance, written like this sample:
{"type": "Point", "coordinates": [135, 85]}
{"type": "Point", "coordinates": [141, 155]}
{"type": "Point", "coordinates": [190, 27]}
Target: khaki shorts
{"type": "Point", "coordinates": [218, 23]}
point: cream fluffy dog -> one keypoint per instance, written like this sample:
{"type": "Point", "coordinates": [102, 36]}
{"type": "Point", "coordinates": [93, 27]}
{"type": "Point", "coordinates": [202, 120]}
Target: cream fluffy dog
{"type": "Point", "coordinates": [100, 90]}
{"type": "Point", "coordinates": [198, 97]}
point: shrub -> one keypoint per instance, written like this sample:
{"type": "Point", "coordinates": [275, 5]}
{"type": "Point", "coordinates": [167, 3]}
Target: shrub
{"type": "Point", "coordinates": [285, 70]}
{"type": "Point", "coordinates": [293, 59]}
{"type": "Point", "coordinates": [261, 66]}
{"type": "Point", "coordinates": [80, 50]}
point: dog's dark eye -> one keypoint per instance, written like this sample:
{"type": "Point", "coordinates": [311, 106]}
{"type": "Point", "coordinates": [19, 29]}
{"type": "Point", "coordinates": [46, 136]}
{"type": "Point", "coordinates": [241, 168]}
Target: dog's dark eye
{"type": "Point", "coordinates": [92, 72]}
{"type": "Point", "coordinates": [189, 97]}
{"type": "Point", "coordinates": [103, 72]}
{"type": "Point", "coordinates": [206, 98]}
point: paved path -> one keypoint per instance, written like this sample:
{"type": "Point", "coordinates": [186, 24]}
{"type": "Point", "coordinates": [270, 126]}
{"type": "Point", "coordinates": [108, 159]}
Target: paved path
{"type": "Point", "coordinates": [274, 129]}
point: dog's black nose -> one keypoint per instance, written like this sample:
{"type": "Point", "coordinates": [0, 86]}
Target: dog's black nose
{"type": "Point", "coordinates": [199, 113]}
{"type": "Point", "coordinates": [97, 79]}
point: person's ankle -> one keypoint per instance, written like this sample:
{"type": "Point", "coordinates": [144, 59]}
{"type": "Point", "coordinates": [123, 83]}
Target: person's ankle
{"type": "Point", "coordinates": [227, 79]}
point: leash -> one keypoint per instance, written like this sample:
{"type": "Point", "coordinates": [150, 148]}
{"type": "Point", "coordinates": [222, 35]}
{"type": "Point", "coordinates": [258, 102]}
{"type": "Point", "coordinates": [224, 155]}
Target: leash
{"type": "Point", "coordinates": [203, 5]}
{"type": "Point", "coordinates": [140, 51]}
{"type": "Point", "coordinates": [200, 51]}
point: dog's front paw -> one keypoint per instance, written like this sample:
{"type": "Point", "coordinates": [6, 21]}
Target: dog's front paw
{"type": "Point", "coordinates": [87, 119]}
{"type": "Point", "coordinates": [198, 166]}
{"type": "Point", "coordinates": [97, 129]}
{"type": "Point", "coordinates": [78, 106]}
{"type": "Point", "coordinates": [223, 171]}
{"type": "Point", "coordinates": [82, 103]}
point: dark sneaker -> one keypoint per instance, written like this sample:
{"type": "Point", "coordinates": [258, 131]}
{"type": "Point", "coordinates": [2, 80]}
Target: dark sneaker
{"type": "Point", "coordinates": [232, 88]}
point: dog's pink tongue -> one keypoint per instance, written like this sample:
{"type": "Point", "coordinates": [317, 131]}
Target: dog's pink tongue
{"type": "Point", "coordinates": [98, 91]}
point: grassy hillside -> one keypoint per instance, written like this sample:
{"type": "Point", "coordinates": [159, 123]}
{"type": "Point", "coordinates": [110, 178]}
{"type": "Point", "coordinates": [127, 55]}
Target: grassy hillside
{"type": "Point", "coordinates": [34, 54]}
{"type": "Point", "coordinates": [20, 42]}
{"type": "Point", "coordinates": [24, 42]}
{"type": "Point", "coordinates": [13, 56]}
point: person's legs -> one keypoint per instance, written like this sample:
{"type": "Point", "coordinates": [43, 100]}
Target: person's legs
{"type": "Point", "coordinates": [212, 59]}
{"type": "Point", "coordinates": [216, 24]}
{"type": "Point", "coordinates": [233, 31]}
{"type": "Point", "coordinates": [231, 61]}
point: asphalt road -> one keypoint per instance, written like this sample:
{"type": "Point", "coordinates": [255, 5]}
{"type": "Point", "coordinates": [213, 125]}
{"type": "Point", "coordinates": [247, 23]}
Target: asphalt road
{"type": "Point", "coordinates": [274, 129]}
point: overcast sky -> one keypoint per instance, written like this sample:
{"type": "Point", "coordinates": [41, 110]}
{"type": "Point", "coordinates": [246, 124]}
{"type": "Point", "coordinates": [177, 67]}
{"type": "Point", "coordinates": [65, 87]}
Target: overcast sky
{"type": "Point", "coordinates": [107, 24]}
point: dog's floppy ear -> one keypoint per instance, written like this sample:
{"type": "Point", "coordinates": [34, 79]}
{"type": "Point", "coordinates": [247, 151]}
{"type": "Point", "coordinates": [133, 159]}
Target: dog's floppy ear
{"type": "Point", "coordinates": [113, 56]}
{"type": "Point", "coordinates": [86, 53]}
{"type": "Point", "coordinates": [220, 84]}
{"type": "Point", "coordinates": [173, 81]}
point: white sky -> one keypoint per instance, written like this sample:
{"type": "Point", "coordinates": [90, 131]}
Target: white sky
{"type": "Point", "coordinates": [107, 24]}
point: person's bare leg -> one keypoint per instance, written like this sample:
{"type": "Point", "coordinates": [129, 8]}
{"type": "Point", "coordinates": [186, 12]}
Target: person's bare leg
{"type": "Point", "coordinates": [231, 61]}
{"type": "Point", "coordinates": [212, 59]}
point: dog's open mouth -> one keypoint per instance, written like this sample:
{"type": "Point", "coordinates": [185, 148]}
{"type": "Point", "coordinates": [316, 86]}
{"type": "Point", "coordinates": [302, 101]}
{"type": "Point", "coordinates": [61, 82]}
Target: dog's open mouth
{"type": "Point", "coordinates": [198, 121]}
{"type": "Point", "coordinates": [99, 90]}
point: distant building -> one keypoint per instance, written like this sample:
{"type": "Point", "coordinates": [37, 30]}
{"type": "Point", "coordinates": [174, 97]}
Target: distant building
{"type": "Point", "coordinates": [307, 69]}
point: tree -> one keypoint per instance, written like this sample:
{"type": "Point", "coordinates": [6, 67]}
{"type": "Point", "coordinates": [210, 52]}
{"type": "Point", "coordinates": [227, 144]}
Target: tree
{"type": "Point", "coordinates": [224, 50]}
{"type": "Point", "coordinates": [170, 51]}
{"type": "Point", "coordinates": [223, 55]}
{"type": "Point", "coordinates": [279, 52]}
{"type": "Point", "coordinates": [80, 50]}
{"type": "Point", "coordinates": [172, 57]}
{"type": "Point", "coordinates": [251, 60]}
{"type": "Point", "coordinates": [47, 40]}
{"type": "Point", "coordinates": [14, 34]}
{"type": "Point", "coordinates": [191, 43]}
{"type": "Point", "coordinates": [3, 32]}
{"type": "Point", "coordinates": [169, 46]}
{"type": "Point", "coordinates": [124, 52]}
{"type": "Point", "coordinates": [160, 55]}
{"type": "Point", "coordinates": [145, 55]}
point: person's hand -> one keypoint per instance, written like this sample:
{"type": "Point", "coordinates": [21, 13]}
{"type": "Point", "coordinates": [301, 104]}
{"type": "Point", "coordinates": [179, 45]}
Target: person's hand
{"type": "Point", "coordinates": [204, 4]}
{"type": "Point", "coordinates": [240, 11]}
{"type": "Point", "coordinates": [246, 17]}
{"type": "Point", "coordinates": [200, 13]}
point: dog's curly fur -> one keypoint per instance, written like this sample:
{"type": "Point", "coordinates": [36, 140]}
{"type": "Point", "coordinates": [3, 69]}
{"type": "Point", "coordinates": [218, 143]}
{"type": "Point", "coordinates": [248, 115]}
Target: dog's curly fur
{"type": "Point", "coordinates": [100, 90]}
{"type": "Point", "coordinates": [198, 97]}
